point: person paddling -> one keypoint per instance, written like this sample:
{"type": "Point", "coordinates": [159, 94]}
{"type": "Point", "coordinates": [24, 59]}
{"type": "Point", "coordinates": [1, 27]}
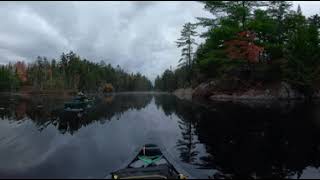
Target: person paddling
{"type": "Point", "coordinates": [82, 96]}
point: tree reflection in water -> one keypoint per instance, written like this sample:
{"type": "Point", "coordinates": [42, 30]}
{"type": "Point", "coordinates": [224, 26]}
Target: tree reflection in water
{"type": "Point", "coordinates": [52, 113]}
{"type": "Point", "coordinates": [187, 123]}
{"type": "Point", "coordinates": [238, 141]}
{"type": "Point", "coordinates": [248, 142]}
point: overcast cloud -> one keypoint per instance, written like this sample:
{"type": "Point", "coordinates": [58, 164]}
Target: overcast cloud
{"type": "Point", "coordinates": [139, 36]}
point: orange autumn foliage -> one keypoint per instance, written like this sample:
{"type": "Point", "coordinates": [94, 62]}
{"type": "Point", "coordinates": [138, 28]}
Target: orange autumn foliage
{"type": "Point", "coordinates": [21, 70]}
{"type": "Point", "coordinates": [108, 88]}
{"type": "Point", "coordinates": [243, 47]}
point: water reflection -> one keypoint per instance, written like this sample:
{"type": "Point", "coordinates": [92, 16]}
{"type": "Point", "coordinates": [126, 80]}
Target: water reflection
{"type": "Point", "coordinates": [187, 124]}
{"type": "Point", "coordinates": [46, 110]}
{"type": "Point", "coordinates": [225, 140]}
{"type": "Point", "coordinates": [244, 141]}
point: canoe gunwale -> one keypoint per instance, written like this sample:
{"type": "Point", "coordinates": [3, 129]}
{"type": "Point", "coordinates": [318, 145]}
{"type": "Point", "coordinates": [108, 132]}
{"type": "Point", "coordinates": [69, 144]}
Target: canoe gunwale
{"type": "Point", "coordinates": [170, 162]}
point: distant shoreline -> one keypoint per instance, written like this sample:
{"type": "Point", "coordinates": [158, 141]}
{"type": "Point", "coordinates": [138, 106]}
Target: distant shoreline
{"type": "Point", "coordinates": [71, 92]}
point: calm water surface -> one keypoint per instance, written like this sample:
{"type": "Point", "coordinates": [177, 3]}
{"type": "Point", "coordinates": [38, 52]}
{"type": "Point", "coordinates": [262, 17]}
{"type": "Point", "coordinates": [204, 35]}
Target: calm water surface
{"type": "Point", "coordinates": [221, 140]}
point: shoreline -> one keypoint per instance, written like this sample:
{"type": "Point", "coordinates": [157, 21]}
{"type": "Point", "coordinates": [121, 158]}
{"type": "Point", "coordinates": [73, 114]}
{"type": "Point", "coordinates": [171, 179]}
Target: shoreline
{"type": "Point", "coordinates": [213, 103]}
{"type": "Point", "coordinates": [281, 92]}
{"type": "Point", "coordinates": [74, 92]}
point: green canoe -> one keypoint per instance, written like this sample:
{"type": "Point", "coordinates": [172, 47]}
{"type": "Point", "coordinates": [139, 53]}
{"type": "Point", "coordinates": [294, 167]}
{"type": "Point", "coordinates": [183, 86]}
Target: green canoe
{"type": "Point", "coordinates": [149, 163]}
{"type": "Point", "coordinates": [78, 104]}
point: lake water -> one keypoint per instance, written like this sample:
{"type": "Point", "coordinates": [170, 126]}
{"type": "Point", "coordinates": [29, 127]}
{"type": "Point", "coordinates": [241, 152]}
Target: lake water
{"type": "Point", "coordinates": [221, 140]}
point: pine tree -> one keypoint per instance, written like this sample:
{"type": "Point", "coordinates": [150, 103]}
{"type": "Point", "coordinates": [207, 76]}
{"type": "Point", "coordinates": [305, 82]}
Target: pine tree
{"type": "Point", "coordinates": [278, 10]}
{"type": "Point", "coordinates": [299, 11]}
{"type": "Point", "coordinates": [186, 42]}
{"type": "Point", "coordinates": [238, 11]}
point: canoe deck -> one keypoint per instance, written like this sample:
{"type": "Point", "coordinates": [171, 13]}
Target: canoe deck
{"type": "Point", "coordinates": [149, 163]}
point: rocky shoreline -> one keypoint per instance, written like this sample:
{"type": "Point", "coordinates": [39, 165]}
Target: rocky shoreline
{"type": "Point", "coordinates": [210, 90]}
{"type": "Point", "coordinates": [184, 93]}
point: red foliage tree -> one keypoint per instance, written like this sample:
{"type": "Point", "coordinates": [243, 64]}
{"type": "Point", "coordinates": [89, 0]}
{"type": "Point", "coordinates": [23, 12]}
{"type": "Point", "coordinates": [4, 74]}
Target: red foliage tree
{"type": "Point", "coordinates": [243, 47]}
{"type": "Point", "coordinates": [21, 70]}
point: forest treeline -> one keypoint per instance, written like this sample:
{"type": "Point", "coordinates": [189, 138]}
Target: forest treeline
{"type": "Point", "coordinates": [246, 44]}
{"type": "Point", "coordinates": [70, 72]}
{"type": "Point", "coordinates": [252, 42]}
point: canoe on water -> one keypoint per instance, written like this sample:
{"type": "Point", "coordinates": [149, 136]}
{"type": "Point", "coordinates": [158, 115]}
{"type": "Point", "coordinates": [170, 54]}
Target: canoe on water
{"type": "Point", "coordinates": [78, 104]}
{"type": "Point", "coordinates": [149, 163]}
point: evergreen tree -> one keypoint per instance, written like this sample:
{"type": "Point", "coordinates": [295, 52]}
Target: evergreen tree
{"type": "Point", "coordinates": [302, 69]}
{"type": "Point", "coordinates": [186, 42]}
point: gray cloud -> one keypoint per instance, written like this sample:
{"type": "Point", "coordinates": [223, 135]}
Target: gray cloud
{"type": "Point", "coordinates": [139, 36]}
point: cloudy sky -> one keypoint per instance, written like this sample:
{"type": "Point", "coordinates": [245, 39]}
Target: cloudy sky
{"type": "Point", "coordinates": [139, 36]}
